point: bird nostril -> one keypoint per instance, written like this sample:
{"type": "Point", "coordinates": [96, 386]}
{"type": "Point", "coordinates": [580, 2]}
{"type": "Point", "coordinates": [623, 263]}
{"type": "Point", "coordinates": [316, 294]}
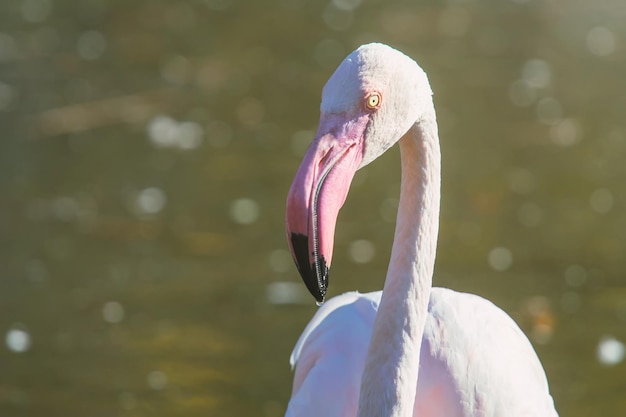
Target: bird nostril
{"type": "Point", "coordinates": [324, 159]}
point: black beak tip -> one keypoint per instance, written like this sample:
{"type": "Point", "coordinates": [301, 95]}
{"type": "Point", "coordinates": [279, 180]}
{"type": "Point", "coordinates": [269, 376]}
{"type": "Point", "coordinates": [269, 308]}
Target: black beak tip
{"type": "Point", "coordinates": [317, 284]}
{"type": "Point", "coordinates": [316, 281]}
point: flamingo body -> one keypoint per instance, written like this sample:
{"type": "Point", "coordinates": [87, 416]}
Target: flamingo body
{"type": "Point", "coordinates": [466, 368]}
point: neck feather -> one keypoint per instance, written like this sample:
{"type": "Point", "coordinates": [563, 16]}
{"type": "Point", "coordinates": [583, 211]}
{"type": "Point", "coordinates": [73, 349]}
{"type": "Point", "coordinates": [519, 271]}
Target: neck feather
{"type": "Point", "coordinates": [389, 380]}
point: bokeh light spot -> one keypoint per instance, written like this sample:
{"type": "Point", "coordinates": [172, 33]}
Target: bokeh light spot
{"type": "Point", "coordinates": [284, 292]}
{"type": "Point", "coordinates": [165, 132]}
{"type": "Point", "coordinates": [565, 132]}
{"type": "Point", "coordinates": [218, 4]}
{"type": "Point", "coordinates": [189, 135]}
{"type": "Point", "coordinates": [36, 271]}
{"type": "Point", "coordinates": [244, 211]}
{"type": "Point", "coordinates": [346, 4]}
{"type": "Point", "coordinates": [157, 380]}
{"type": "Point", "coordinates": [177, 69]}
{"type": "Point", "coordinates": [389, 209]}
{"type": "Point", "coordinates": [8, 48]}
{"type": "Point", "coordinates": [575, 275]}
{"type": "Point", "coordinates": [362, 251]}
{"type": "Point", "coordinates": [127, 400]}
{"type": "Point", "coordinates": [521, 181]}
{"type": "Point", "coordinates": [150, 200]}
{"type": "Point", "coordinates": [610, 351]}
{"type": "Point", "coordinates": [7, 93]}
{"type": "Point", "coordinates": [537, 73]}
{"type": "Point", "coordinates": [35, 11]}
{"type": "Point", "coordinates": [549, 110]}
{"type": "Point", "coordinates": [91, 45]}
{"type": "Point", "coordinates": [18, 340]}
{"type": "Point", "coordinates": [601, 41]}
{"type": "Point", "coordinates": [337, 19]}
{"type": "Point", "coordinates": [500, 258]}
{"type": "Point", "coordinates": [113, 312]}
{"type": "Point", "coordinates": [162, 131]}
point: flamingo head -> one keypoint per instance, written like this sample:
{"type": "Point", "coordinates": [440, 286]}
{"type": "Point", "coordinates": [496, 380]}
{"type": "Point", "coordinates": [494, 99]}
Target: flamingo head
{"type": "Point", "coordinates": [371, 100]}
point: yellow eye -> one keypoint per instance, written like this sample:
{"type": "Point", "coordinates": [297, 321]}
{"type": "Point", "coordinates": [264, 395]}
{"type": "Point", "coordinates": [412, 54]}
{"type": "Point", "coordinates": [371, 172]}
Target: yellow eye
{"type": "Point", "coordinates": [372, 101]}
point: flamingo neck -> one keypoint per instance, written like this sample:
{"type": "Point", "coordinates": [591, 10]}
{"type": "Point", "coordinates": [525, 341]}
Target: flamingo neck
{"type": "Point", "coordinates": [389, 381]}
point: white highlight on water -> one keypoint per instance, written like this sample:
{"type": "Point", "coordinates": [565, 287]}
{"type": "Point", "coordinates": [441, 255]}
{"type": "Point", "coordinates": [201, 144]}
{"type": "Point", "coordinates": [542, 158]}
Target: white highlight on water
{"type": "Point", "coordinates": [18, 340]}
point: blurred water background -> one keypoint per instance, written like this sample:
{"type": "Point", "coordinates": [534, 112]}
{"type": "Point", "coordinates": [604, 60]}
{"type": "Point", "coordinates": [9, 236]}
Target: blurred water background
{"type": "Point", "coordinates": [147, 148]}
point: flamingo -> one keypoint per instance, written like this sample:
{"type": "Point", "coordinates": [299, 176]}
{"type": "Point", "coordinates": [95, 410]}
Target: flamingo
{"type": "Point", "coordinates": [361, 353]}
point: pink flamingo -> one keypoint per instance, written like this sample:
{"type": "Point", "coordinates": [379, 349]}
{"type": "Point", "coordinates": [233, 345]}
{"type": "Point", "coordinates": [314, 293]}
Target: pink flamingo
{"type": "Point", "coordinates": [361, 353]}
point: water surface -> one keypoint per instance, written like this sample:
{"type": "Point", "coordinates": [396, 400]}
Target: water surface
{"type": "Point", "coordinates": [148, 147]}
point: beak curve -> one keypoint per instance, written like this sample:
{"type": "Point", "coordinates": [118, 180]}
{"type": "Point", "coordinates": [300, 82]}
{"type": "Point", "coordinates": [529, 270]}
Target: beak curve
{"type": "Point", "coordinates": [317, 193]}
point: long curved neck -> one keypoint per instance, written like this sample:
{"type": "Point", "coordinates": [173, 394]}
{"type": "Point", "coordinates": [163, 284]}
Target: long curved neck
{"type": "Point", "coordinates": [389, 381]}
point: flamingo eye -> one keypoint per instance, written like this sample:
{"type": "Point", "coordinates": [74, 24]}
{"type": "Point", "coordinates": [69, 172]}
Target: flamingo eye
{"type": "Point", "coordinates": [372, 101]}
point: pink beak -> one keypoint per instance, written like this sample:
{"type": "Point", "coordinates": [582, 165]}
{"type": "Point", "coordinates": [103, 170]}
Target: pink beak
{"type": "Point", "coordinates": [318, 192]}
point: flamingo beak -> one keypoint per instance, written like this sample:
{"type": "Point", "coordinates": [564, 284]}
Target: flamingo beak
{"type": "Point", "coordinates": [318, 192]}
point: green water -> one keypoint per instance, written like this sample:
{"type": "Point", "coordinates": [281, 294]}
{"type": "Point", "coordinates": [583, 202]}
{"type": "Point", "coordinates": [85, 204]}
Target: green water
{"type": "Point", "coordinates": [148, 147]}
